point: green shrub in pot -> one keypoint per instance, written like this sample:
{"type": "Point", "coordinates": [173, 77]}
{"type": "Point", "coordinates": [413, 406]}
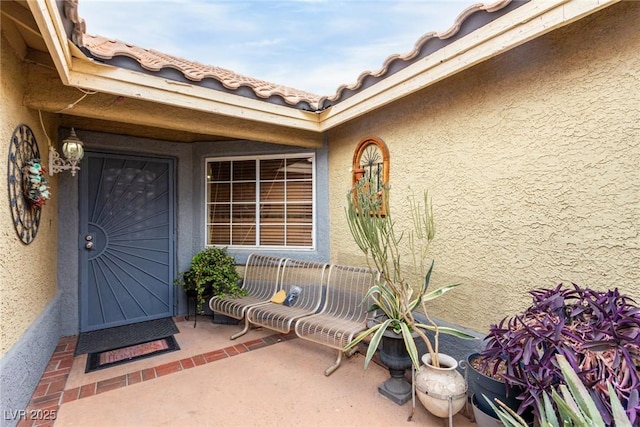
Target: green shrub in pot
{"type": "Point", "coordinates": [212, 272]}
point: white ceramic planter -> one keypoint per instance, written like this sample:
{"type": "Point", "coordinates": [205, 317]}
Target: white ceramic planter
{"type": "Point", "coordinates": [442, 391]}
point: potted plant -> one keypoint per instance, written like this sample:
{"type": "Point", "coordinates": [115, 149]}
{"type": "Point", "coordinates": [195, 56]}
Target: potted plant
{"type": "Point", "coordinates": [395, 295]}
{"type": "Point", "coordinates": [574, 405]}
{"type": "Point", "coordinates": [486, 380]}
{"type": "Point", "coordinates": [597, 332]}
{"type": "Point", "coordinates": [212, 272]}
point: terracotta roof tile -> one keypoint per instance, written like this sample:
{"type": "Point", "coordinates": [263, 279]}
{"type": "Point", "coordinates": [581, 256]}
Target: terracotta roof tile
{"type": "Point", "coordinates": [153, 61]}
{"type": "Point", "coordinates": [417, 52]}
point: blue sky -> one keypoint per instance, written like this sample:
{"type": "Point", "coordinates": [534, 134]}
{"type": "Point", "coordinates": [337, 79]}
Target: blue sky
{"type": "Point", "coordinates": [312, 45]}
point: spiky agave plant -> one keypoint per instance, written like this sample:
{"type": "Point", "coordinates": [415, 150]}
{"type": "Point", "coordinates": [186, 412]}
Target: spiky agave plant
{"type": "Point", "coordinates": [394, 295]}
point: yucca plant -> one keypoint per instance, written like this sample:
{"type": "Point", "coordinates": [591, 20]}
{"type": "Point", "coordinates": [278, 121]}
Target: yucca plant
{"type": "Point", "coordinates": [574, 405]}
{"type": "Point", "coordinates": [394, 295]}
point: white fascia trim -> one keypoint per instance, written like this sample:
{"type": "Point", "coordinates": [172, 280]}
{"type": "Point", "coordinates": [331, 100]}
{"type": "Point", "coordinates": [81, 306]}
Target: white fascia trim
{"type": "Point", "coordinates": [122, 82]}
{"type": "Point", "coordinates": [76, 71]}
{"type": "Point", "coordinates": [507, 32]}
{"type": "Point", "coordinates": [45, 12]}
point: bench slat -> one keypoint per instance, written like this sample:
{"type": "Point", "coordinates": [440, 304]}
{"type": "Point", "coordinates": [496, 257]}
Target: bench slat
{"type": "Point", "coordinates": [345, 311]}
{"type": "Point", "coordinates": [261, 277]}
{"type": "Point", "coordinates": [311, 278]}
{"type": "Point", "coordinates": [330, 309]}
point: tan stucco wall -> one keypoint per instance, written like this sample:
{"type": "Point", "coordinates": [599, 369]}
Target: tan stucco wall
{"type": "Point", "coordinates": [533, 163]}
{"type": "Point", "coordinates": [27, 272]}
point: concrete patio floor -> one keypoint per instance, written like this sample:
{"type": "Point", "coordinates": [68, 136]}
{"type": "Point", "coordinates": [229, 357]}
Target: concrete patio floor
{"type": "Point", "coordinates": [260, 379]}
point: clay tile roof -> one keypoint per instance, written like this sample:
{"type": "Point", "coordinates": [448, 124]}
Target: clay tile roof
{"type": "Point", "coordinates": [421, 49]}
{"type": "Point", "coordinates": [110, 51]}
{"type": "Point", "coordinates": [154, 61]}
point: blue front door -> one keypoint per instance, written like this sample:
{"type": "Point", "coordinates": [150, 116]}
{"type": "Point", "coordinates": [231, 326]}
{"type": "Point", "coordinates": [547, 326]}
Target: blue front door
{"type": "Point", "coordinates": [126, 240]}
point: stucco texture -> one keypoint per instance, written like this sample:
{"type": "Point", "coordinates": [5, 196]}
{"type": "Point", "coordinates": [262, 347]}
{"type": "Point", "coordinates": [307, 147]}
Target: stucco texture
{"type": "Point", "coordinates": [532, 161]}
{"type": "Point", "coordinates": [27, 272]}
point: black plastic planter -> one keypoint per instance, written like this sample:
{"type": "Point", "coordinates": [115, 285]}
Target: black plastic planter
{"type": "Point", "coordinates": [480, 384]}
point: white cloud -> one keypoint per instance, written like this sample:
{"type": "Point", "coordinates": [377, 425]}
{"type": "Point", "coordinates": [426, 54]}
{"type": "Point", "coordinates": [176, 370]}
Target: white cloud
{"type": "Point", "coordinates": [264, 43]}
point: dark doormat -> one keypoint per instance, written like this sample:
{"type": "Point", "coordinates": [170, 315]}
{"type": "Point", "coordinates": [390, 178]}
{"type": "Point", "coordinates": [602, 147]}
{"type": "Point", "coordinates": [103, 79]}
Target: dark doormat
{"type": "Point", "coordinates": [125, 336]}
{"type": "Point", "coordinates": [118, 356]}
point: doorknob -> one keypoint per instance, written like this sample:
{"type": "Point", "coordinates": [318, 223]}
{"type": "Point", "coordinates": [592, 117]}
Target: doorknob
{"type": "Point", "coordinates": [88, 245]}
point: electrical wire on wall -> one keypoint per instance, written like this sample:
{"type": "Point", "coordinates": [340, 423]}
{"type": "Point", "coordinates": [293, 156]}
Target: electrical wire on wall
{"type": "Point", "coordinates": [44, 129]}
{"type": "Point", "coordinates": [68, 107]}
{"type": "Point", "coordinates": [86, 93]}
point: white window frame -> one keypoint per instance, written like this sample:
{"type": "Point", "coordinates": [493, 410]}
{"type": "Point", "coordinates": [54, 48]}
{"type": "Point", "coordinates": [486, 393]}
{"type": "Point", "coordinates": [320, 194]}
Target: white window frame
{"type": "Point", "coordinates": [257, 159]}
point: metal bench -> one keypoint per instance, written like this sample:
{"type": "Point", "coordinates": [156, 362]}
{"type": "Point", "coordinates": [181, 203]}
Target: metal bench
{"type": "Point", "coordinates": [344, 313]}
{"type": "Point", "coordinates": [311, 278]}
{"type": "Point", "coordinates": [329, 310]}
{"type": "Point", "coordinates": [261, 278]}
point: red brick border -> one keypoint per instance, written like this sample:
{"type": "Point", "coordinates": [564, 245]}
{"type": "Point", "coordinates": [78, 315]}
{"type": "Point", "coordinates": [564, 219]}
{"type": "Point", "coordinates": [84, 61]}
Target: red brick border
{"type": "Point", "coordinates": [50, 393]}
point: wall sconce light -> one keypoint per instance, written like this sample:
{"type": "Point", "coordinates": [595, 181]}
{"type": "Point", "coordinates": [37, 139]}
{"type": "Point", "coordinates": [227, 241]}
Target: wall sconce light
{"type": "Point", "coordinates": [73, 152]}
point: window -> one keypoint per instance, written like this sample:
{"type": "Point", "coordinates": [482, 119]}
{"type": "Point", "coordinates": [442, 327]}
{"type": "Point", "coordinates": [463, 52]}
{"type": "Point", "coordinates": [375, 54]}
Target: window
{"type": "Point", "coordinates": [260, 202]}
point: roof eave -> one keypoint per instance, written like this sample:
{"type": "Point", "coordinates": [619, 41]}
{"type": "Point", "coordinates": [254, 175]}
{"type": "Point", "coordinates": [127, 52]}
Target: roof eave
{"type": "Point", "coordinates": [519, 26]}
{"type": "Point", "coordinates": [45, 13]}
{"type": "Point", "coordinates": [122, 82]}
{"type": "Point", "coordinates": [525, 23]}
{"type": "Point", "coordinates": [76, 70]}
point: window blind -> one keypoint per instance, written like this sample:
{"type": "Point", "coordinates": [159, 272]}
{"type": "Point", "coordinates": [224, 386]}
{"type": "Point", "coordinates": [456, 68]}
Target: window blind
{"type": "Point", "coordinates": [260, 202]}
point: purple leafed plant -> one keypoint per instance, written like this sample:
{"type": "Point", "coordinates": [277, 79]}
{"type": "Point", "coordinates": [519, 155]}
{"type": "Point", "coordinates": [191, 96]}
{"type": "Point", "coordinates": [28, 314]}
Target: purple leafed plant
{"type": "Point", "coordinates": [598, 333]}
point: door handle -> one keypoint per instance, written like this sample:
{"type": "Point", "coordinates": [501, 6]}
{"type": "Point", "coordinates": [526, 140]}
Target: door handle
{"type": "Point", "coordinates": [89, 244]}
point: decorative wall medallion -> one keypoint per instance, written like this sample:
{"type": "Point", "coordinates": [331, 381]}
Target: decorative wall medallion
{"type": "Point", "coordinates": [371, 164]}
{"type": "Point", "coordinates": [23, 150]}
{"type": "Point", "coordinates": [371, 161]}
